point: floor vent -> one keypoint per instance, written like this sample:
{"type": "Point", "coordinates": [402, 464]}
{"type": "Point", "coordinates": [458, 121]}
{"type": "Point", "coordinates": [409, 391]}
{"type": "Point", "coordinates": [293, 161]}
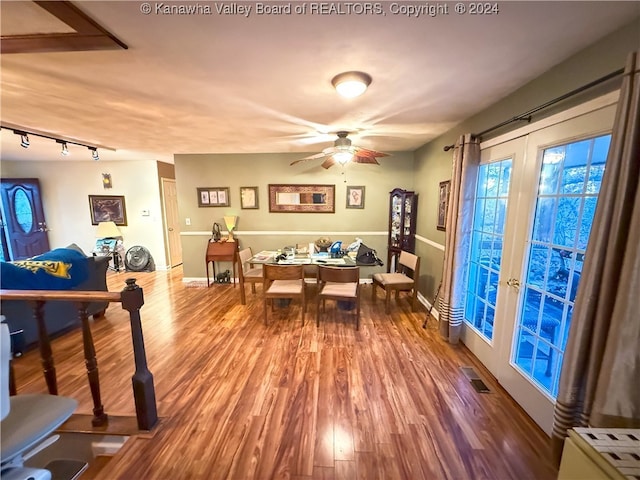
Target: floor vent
{"type": "Point", "coordinates": [474, 378]}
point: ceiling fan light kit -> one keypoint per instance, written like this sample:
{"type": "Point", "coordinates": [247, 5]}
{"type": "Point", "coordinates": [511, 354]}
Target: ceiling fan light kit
{"type": "Point", "coordinates": [343, 152]}
{"type": "Point", "coordinates": [343, 157]}
{"type": "Point", "coordinates": [351, 84]}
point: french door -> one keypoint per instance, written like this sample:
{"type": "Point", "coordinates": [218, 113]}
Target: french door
{"type": "Point", "coordinates": [534, 205]}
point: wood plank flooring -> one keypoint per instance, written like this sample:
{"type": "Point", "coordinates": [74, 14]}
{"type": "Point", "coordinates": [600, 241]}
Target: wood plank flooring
{"type": "Point", "coordinates": [239, 399]}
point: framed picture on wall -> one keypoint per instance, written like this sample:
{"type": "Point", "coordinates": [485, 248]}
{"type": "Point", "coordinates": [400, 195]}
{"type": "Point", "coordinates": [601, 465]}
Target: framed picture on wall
{"type": "Point", "coordinates": [108, 208]}
{"type": "Point", "coordinates": [248, 197]}
{"type": "Point", "coordinates": [213, 197]}
{"type": "Point", "coordinates": [443, 202]}
{"type": "Point", "coordinates": [355, 196]}
{"type": "Point", "coordinates": [302, 198]}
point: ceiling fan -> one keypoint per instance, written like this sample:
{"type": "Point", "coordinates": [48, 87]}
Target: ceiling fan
{"type": "Point", "coordinates": [343, 152]}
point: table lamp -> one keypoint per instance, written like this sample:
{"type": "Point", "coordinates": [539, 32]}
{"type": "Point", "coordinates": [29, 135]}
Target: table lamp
{"type": "Point", "coordinates": [108, 230]}
{"type": "Point", "coordinates": [230, 222]}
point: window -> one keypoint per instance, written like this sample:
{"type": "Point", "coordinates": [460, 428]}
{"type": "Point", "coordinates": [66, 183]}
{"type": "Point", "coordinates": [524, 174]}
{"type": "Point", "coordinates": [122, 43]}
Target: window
{"type": "Point", "coordinates": [489, 218]}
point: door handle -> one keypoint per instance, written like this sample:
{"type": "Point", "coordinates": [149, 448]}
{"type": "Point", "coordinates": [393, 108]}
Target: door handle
{"type": "Point", "coordinates": [515, 283]}
{"type": "Point", "coordinates": [170, 229]}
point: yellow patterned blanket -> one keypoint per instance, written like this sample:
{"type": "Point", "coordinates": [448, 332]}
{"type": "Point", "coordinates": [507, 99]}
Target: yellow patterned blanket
{"type": "Point", "coordinates": [59, 269]}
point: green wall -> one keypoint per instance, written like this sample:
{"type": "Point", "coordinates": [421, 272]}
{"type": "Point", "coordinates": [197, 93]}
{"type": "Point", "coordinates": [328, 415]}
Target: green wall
{"type": "Point", "coordinates": [262, 229]}
{"type": "Point", "coordinates": [433, 164]}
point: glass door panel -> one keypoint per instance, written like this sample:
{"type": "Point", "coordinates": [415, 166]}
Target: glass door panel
{"type": "Point", "coordinates": [567, 194]}
{"type": "Point", "coordinates": [486, 246]}
{"type": "Point", "coordinates": [555, 189]}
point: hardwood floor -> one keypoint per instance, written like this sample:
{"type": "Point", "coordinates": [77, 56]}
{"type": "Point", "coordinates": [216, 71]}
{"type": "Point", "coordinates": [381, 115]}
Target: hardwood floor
{"type": "Point", "coordinates": [238, 399]}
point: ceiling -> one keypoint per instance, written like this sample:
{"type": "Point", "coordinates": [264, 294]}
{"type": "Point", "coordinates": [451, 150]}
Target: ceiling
{"type": "Point", "coordinates": [229, 83]}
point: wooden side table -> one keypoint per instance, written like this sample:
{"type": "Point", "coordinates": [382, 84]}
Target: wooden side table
{"type": "Point", "coordinates": [221, 252]}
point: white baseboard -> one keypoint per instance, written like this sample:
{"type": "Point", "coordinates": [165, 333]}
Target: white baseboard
{"type": "Point", "coordinates": [194, 280]}
{"type": "Point", "coordinates": [427, 304]}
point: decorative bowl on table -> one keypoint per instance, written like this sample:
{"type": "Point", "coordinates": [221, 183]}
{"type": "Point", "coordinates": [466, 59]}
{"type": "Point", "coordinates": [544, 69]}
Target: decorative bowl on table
{"type": "Point", "coordinates": [323, 244]}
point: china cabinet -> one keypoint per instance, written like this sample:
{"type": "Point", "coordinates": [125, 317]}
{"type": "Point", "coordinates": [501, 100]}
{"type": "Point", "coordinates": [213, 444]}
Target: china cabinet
{"type": "Point", "coordinates": [403, 207]}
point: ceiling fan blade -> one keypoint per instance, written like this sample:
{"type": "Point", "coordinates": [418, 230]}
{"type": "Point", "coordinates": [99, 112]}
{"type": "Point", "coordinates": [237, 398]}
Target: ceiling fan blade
{"type": "Point", "coordinates": [365, 152]}
{"type": "Point", "coordinates": [317, 155]}
{"type": "Point", "coordinates": [361, 159]}
{"type": "Point", "coordinates": [298, 161]}
{"type": "Point", "coordinates": [329, 150]}
{"type": "Point", "coordinates": [310, 157]}
{"type": "Point", "coordinates": [329, 162]}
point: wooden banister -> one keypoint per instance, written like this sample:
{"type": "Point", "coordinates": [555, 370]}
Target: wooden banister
{"type": "Point", "coordinates": [72, 296]}
{"type": "Point", "coordinates": [132, 299]}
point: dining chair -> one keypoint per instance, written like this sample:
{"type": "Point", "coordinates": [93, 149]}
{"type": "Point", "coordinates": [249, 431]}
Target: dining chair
{"type": "Point", "coordinates": [248, 273]}
{"type": "Point", "coordinates": [341, 284]}
{"type": "Point", "coordinates": [405, 278]}
{"type": "Point", "coordinates": [283, 281]}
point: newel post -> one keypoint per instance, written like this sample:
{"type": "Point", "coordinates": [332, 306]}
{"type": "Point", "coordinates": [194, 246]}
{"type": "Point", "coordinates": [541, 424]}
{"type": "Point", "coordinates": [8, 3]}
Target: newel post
{"type": "Point", "coordinates": [143, 390]}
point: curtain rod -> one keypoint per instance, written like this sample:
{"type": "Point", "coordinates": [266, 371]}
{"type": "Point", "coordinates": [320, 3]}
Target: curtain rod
{"type": "Point", "coordinates": [526, 116]}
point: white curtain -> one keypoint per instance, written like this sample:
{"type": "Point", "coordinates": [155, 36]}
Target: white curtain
{"type": "Point", "coordinates": [459, 225]}
{"type": "Point", "coordinates": [600, 379]}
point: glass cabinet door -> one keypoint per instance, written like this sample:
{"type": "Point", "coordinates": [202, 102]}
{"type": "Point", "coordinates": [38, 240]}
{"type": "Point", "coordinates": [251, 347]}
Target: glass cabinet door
{"type": "Point", "coordinates": [402, 223]}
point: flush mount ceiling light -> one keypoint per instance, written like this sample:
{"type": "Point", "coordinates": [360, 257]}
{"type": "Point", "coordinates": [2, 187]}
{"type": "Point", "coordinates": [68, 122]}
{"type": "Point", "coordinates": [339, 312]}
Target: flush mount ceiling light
{"type": "Point", "coordinates": [351, 84]}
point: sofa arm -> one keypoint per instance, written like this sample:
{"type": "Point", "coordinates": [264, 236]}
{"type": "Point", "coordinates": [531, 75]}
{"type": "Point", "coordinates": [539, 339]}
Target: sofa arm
{"type": "Point", "coordinates": [97, 281]}
{"type": "Point", "coordinates": [99, 272]}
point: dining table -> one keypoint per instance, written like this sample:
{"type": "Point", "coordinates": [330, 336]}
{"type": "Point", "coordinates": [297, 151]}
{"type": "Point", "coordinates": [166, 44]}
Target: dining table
{"type": "Point", "coordinates": [322, 258]}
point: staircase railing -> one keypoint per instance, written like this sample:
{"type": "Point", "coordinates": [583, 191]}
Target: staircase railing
{"type": "Point", "coordinates": [132, 300]}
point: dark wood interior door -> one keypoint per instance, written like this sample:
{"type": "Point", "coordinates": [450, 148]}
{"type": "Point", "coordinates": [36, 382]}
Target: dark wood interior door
{"type": "Point", "coordinates": [24, 225]}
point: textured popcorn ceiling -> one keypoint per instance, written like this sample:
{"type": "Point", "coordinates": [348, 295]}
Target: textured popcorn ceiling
{"type": "Point", "coordinates": [229, 83]}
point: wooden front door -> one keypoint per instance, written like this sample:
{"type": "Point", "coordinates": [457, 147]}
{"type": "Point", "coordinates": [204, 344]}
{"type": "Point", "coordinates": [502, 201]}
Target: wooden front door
{"type": "Point", "coordinates": [24, 226]}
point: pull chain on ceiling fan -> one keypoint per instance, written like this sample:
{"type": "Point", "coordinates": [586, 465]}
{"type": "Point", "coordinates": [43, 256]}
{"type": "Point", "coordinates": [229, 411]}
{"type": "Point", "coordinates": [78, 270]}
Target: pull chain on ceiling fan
{"type": "Point", "coordinates": [343, 152]}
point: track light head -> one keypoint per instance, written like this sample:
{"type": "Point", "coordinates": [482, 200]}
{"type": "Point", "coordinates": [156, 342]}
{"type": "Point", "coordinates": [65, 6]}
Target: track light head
{"type": "Point", "coordinates": [24, 138]}
{"type": "Point", "coordinates": [65, 149]}
{"type": "Point", "coordinates": [94, 153]}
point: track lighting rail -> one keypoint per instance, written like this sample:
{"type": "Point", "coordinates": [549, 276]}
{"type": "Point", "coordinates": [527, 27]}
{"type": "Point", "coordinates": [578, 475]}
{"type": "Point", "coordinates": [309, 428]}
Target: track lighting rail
{"type": "Point", "coordinates": [64, 142]}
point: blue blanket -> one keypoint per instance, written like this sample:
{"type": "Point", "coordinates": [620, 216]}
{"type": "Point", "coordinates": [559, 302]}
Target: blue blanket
{"type": "Point", "coordinates": [59, 269]}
